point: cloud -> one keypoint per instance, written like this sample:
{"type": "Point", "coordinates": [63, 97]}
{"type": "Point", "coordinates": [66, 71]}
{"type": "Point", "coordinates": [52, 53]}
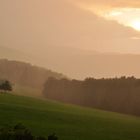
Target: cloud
{"type": "Point", "coordinates": [111, 3]}
{"type": "Point", "coordinates": [37, 25]}
{"type": "Point", "coordinates": [51, 30]}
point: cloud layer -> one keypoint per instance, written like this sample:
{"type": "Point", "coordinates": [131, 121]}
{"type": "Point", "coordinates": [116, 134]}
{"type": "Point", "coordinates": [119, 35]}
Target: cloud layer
{"type": "Point", "coordinates": [111, 3]}
{"type": "Point", "coordinates": [55, 32]}
{"type": "Point", "coordinates": [59, 23]}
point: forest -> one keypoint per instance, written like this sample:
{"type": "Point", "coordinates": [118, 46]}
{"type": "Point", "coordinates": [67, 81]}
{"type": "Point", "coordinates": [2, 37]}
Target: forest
{"type": "Point", "coordinates": [112, 94]}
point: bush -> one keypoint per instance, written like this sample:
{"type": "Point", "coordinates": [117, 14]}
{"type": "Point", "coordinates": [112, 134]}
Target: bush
{"type": "Point", "coordinates": [20, 132]}
{"type": "Point", "coordinates": [52, 137]}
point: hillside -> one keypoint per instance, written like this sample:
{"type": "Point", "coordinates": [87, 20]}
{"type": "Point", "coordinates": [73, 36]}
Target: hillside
{"type": "Point", "coordinates": [24, 75]}
{"type": "Point", "coordinates": [78, 63]}
{"type": "Point", "coordinates": [69, 122]}
{"type": "Point", "coordinates": [114, 94]}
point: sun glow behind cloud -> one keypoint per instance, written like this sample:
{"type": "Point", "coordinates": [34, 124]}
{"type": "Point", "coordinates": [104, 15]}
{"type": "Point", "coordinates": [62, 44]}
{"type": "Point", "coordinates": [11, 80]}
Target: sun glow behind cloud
{"type": "Point", "coordinates": [126, 16]}
{"type": "Point", "coordinates": [136, 24]}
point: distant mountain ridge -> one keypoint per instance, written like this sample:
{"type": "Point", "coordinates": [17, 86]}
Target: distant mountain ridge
{"type": "Point", "coordinates": [77, 63]}
{"type": "Point", "coordinates": [24, 74]}
{"type": "Point", "coordinates": [13, 54]}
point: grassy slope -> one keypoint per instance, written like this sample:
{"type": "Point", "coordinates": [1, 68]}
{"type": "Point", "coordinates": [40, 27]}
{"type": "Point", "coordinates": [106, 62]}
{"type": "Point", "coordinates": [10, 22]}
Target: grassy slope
{"type": "Point", "coordinates": [27, 91]}
{"type": "Point", "coordinates": [69, 122]}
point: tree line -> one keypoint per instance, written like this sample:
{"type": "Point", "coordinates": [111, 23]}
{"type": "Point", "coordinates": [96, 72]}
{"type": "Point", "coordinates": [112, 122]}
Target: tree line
{"type": "Point", "coordinates": [113, 94]}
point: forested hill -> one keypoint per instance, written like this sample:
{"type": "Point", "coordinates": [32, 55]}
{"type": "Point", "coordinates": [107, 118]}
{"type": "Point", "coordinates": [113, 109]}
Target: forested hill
{"type": "Point", "coordinates": [115, 94]}
{"type": "Point", "coordinates": [25, 74]}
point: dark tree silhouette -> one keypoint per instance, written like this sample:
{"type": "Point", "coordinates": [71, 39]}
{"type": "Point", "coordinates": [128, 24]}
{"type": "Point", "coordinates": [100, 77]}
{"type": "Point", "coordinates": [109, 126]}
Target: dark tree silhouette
{"type": "Point", "coordinates": [6, 86]}
{"type": "Point", "coordinates": [53, 137]}
{"type": "Point", "coordinates": [20, 132]}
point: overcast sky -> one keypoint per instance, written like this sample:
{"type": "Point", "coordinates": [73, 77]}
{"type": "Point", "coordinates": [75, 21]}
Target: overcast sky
{"type": "Point", "coordinates": [44, 23]}
{"type": "Point", "coordinates": [56, 29]}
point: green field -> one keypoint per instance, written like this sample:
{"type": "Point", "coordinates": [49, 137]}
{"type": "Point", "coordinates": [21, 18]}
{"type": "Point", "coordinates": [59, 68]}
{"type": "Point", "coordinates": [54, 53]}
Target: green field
{"type": "Point", "coordinates": [68, 122]}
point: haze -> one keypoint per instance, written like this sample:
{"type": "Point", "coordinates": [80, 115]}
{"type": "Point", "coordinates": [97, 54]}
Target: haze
{"type": "Point", "coordinates": [79, 38]}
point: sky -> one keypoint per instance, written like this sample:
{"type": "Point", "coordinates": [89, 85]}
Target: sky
{"type": "Point", "coordinates": [86, 24]}
{"type": "Point", "coordinates": [49, 29]}
{"type": "Point", "coordinates": [124, 12]}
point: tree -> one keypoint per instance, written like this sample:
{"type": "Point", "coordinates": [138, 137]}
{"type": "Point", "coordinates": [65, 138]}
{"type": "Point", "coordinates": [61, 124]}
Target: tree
{"type": "Point", "coordinates": [6, 86]}
{"type": "Point", "coordinates": [20, 132]}
{"type": "Point", "coordinates": [53, 137]}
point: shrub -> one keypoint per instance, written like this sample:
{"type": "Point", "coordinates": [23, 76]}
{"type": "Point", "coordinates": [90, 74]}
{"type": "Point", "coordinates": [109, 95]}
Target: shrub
{"type": "Point", "coordinates": [20, 132]}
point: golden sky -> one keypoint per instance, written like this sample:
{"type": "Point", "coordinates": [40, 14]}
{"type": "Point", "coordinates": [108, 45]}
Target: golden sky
{"type": "Point", "coordinates": [56, 33]}
{"type": "Point", "coordinates": [100, 25]}
{"type": "Point", "coordinates": [115, 3]}
{"type": "Point", "coordinates": [126, 12]}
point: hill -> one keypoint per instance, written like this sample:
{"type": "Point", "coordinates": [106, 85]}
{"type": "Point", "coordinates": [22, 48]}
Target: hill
{"type": "Point", "coordinates": [112, 94]}
{"type": "Point", "coordinates": [69, 122]}
{"type": "Point", "coordinates": [25, 76]}
{"type": "Point", "coordinates": [13, 54]}
{"type": "Point", "coordinates": [78, 64]}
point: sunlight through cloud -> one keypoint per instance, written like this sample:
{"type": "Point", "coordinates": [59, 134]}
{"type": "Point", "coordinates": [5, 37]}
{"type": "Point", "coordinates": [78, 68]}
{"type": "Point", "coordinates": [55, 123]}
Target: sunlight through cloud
{"type": "Point", "coordinates": [127, 16]}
